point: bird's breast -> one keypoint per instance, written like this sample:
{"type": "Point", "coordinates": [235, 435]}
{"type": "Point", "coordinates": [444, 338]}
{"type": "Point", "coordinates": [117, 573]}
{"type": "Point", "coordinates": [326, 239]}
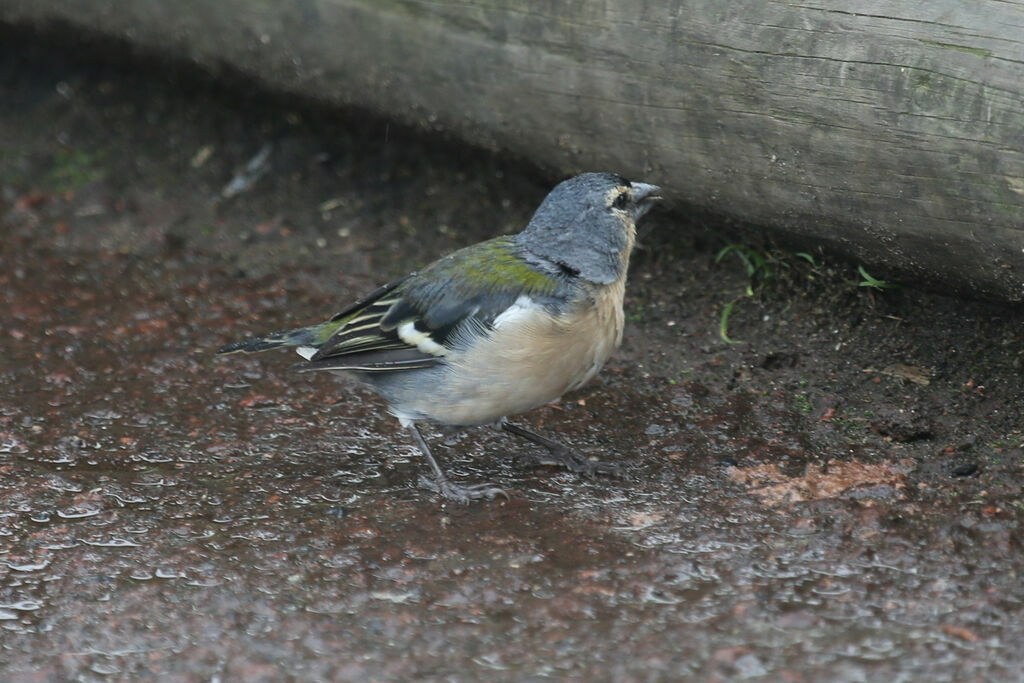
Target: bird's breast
{"type": "Point", "coordinates": [527, 360]}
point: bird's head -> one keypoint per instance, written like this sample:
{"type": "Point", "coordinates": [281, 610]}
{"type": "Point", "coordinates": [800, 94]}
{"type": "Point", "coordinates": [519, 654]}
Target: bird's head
{"type": "Point", "coordinates": [587, 225]}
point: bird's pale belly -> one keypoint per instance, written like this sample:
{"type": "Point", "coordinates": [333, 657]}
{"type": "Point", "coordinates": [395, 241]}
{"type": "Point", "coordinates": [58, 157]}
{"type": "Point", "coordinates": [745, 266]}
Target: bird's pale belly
{"type": "Point", "coordinates": [525, 365]}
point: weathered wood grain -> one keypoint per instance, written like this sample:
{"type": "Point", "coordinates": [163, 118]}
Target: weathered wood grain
{"type": "Point", "coordinates": [894, 131]}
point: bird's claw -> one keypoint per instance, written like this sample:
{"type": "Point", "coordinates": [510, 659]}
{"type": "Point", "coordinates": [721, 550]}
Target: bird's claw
{"type": "Point", "coordinates": [461, 494]}
{"type": "Point", "coordinates": [574, 462]}
{"type": "Point", "coordinates": [560, 455]}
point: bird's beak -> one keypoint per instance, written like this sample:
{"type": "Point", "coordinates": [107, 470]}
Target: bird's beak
{"type": "Point", "coordinates": [645, 196]}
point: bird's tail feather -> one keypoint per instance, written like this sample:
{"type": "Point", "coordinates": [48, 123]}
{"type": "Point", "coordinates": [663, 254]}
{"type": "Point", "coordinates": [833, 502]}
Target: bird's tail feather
{"type": "Point", "coordinates": [300, 336]}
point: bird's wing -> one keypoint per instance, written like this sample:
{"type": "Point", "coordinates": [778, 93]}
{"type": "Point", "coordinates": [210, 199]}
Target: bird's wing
{"type": "Point", "coordinates": [312, 337]}
{"type": "Point", "coordinates": [415, 322]}
{"type": "Point", "coordinates": [358, 342]}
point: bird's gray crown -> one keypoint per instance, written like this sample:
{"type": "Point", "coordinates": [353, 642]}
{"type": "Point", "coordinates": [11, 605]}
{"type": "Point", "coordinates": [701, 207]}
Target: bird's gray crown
{"type": "Point", "coordinates": [577, 228]}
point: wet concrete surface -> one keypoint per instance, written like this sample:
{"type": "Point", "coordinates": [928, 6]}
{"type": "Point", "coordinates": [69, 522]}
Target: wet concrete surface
{"type": "Point", "coordinates": [837, 498]}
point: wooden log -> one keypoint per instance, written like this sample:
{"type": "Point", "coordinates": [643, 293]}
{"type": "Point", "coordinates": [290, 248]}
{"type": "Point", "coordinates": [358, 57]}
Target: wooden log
{"type": "Point", "coordinates": [893, 131]}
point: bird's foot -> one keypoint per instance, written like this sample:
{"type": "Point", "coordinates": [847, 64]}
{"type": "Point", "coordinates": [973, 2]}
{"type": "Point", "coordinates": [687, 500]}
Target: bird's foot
{"type": "Point", "coordinates": [560, 455]}
{"type": "Point", "coordinates": [458, 493]}
{"type": "Point", "coordinates": [563, 456]}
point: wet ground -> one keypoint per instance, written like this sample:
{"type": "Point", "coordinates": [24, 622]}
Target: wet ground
{"type": "Point", "coordinates": [837, 497]}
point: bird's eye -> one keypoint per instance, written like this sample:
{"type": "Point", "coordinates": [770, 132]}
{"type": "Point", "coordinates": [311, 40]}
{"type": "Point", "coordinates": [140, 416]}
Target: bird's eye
{"type": "Point", "coordinates": [621, 201]}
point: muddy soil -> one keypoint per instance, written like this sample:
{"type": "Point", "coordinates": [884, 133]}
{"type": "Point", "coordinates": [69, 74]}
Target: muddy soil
{"type": "Point", "coordinates": [837, 496]}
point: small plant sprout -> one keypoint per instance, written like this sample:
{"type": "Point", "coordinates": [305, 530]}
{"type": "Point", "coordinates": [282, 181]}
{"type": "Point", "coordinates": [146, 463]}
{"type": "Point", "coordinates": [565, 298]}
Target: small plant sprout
{"type": "Point", "coordinates": [867, 280]}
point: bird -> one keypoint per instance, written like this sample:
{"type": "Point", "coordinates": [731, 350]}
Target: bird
{"type": "Point", "coordinates": [494, 329]}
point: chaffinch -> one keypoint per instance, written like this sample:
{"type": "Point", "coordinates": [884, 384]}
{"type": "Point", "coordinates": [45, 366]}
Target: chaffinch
{"type": "Point", "coordinates": [494, 329]}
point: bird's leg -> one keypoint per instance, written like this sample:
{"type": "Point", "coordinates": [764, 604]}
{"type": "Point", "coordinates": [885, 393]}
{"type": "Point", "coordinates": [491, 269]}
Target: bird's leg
{"type": "Point", "coordinates": [561, 455]}
{"type": "Point", "coordinates": [442, 485]}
